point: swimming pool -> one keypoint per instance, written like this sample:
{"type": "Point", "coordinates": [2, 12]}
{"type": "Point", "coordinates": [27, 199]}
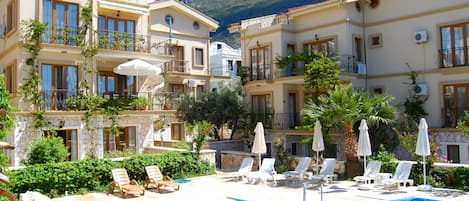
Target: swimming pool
{"type": "Point", "coordinates": [415, 199]}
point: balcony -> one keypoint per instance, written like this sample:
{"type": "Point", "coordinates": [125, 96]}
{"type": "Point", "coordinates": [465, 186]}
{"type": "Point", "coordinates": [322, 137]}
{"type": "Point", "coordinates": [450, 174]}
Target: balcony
{"type": "Point", "coordinates": [164, 101]}
{"type": "Point", "coordinates": [454, 57]}
{"type": "Point", "coordinates": [110, 40]}
{"type": "Point", "coordinates": [261, 75]}
{"type": "Point", "coordinates": [55, 99]}
{"type": "Point", "coordinates": [177, 66]}
{"type": "Point", "coordinates": [278, 121]}
{"type": "Point", "coordinates": [223, 70]}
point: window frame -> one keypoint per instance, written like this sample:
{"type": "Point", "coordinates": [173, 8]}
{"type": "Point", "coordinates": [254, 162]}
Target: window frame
{"type": "Point", "coordinates": [10, 77]}
{"type": "Point", "coordinates": [308, 47]}
{"type": "Point", "coordinates": [198, 60]}
{"type": "Point", "coordinates": [371, 39]}
{"type": "Point", "coordinates": [448, 111]}
{"type": "Point", "coordinates": [179, 135]}
{"type": "Point", "coordinates": [178, 64]}
{"type": "Point", "coordinates": [55, 68]}
{"type": "Point", "coordinates": [358, 49]}
{"type": "Point", "coordinates": [115, 33]}
{"type": "Point", "coordinates": [465, 48]}
{"type": "Point", "coordinates": [11, 23]}
{"type": "Point", "coordinates": [176, 91]}
{"type": "Point", "coordinates": [53, 29]}
{"type": "Point", "coordinates": [117, 139]}
{"type": "Point", "coordinates": [118, 89]}
{"type": "Point", "coordinates": [265, 65]}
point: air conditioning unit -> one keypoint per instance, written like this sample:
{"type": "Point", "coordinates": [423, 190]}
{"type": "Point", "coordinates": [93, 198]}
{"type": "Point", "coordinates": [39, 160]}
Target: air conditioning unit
{"type": "Point", "coordinates": [421, 36]}
{"type": "Point", "coordinates": [423, 90]}
{"type": "Point", "coordinates": [361, 69]}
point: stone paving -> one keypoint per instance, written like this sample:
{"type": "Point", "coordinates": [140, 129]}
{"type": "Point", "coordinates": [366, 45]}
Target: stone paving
{"type": "Point", "coordinates": [220, 187]}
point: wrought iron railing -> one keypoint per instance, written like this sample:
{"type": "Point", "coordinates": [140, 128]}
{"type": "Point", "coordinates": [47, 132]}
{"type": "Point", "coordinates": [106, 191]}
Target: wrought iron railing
{"type": "Point", "coordinates": [111, 40]}
{"type": "Point", "coordinates": [55, 99]}
{"type": "Point", "coordinates": [177, 66]}
{"type": "Point", "coordinates": [261, 75]}
{"type": "Point", "coordinates": [164, 101]}
{"type": "Point", "coordinates": [223, 70]}
{"type": "Point", "coordinates": [279, 121]}
{"type": "Point", "coordinates": [453, 57]}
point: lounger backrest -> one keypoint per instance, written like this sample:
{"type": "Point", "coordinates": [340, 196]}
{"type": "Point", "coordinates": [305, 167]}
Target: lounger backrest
{"type": "Point", "coordinates": [246, 165]}
{"type": "Point", "coordinates": [303, 164]}
{"type": "Point", "coordinates": [372, 168]}
{"type": "Point", "coordinates": [402, 171]}
{"type": "Point", "coordinates": [328, 167]}
{"type": "Point", "coordinates": [153, 172]}
{"type": "Point", "coordinates": [120, 176]}
{"type": "Point", "coordinates": [267, 165]}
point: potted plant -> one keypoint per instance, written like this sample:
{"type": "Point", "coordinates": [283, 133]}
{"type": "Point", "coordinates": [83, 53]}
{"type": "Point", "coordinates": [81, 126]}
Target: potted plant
{"type": "Point", "coordinates": [141, 103]}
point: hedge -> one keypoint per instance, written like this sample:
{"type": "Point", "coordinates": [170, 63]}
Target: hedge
{"type": "Point", "coordinates": [95, 174]}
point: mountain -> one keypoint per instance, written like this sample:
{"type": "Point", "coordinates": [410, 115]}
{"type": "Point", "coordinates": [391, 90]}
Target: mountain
{"type": "Point", "coordinates": [227, 12]}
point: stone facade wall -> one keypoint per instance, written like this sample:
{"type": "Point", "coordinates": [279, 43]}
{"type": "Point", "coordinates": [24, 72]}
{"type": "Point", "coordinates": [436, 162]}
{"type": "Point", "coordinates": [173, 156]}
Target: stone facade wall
{"type": "Point", "coordinates": [23, 134]}
{"type": "Point", "coordinates": [231, 160]}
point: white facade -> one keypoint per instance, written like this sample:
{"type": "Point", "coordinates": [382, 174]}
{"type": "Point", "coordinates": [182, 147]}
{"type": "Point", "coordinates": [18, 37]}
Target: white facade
{"type": "Point", "coordinates": [224, 61]}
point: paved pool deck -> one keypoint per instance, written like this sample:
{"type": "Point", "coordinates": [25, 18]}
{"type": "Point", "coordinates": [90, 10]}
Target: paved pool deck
{"type": "Point", "coordinates": [220, 187]}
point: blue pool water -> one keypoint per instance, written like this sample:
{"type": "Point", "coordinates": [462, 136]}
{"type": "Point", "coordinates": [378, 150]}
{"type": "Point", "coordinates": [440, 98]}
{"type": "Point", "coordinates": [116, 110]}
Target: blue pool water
{"type": "Point", "coordinates": [182, 181]}
{"type": "Point", "coordinates": [415, 199]}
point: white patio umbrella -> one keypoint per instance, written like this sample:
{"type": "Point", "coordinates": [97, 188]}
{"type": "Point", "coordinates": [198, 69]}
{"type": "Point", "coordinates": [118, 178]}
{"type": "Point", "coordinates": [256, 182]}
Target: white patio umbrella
{"type": "Point", "coordinates": [318, 143]}
{"type": "Point", "coordinates": [137, 67]}
{"type": "Point", "coordinates": [259, 146]}
{"type": "Point", "coordinates": [423, 149]}
{"type": "Point", "coordinates": [364, 145]}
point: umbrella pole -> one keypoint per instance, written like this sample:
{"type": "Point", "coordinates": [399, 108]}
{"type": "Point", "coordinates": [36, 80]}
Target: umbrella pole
{"type": "Point", "coordinates": [364, 164]}
{"type": "Point", "coordinates": [424, 172]}
{"type": "Point", "coordinates": [317, 162]}
{"type": "Point", "coordinates": [259, 161]}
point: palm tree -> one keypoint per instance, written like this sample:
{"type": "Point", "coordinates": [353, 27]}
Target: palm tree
{"type": "Point", "coordinates": [345, 106]}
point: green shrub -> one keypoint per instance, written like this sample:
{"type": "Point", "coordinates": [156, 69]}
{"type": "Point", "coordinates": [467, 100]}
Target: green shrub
{"type": "Point", "coordinates": [46, 150]}
{"type": "Point", "coordinates": [388, 160]}
{"type": "Point", "coordinates": [460, 178]}
{"type": "Point", "coordinates": [123, 153]}
{"type": "Point", "coordinates": [95, 174]}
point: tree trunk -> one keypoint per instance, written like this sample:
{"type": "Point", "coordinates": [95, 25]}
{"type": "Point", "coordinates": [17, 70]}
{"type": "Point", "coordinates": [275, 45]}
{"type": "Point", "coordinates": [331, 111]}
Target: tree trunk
{"type": "Point", "coordinates": [351, 151]}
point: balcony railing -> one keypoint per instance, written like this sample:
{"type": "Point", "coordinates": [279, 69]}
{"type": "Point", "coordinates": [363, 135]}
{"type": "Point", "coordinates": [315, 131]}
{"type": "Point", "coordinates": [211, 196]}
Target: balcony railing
{"type": "Point", "coordinates": [164, 101]}
{"type": "Point", "coordinates": [111, 40]}
{"type": "Point", "coordinates": [347, 63]}
{"type": "Point", "coordinates": [177, 66]}
{"type": "Point", "coordinates": [223, 70]}
{"type": "Point", "coordinates": [61, 34]}
{"type": "Point", "coordinates": [279, 121]}
{"type": "Point", "coordinates": [453, 57]}
{"type": "Point", "coordinates": [261, 75]}
{"type": "Point", "coordinates": [55, 99]}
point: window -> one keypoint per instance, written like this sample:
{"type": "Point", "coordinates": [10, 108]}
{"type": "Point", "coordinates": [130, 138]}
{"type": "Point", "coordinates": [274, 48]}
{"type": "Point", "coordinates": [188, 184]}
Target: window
{"type": "Point", "coordinates": [374, 3]}
{"type": "Point", "coordinates": [11, 16]}
{"type": "Point", "coordinates": [456, 102]}
{"type": "Point", "coordinates": [357, 47]}
{"type": "Point", "coordinates": [291, 49]}
{"type": "Point", "coordinates": [219, 46]}
{"type": "Point", "coordinates": [116, 33]}
{"type": "Point", "coordinates": [169, 19]}
{"type": "Point", "coordinates": [453, 153]}
{"type": "Point", "coordinates": [10, 78]}
{"type": "Point", "coordinates": [376, 40]}
{"type": "Point", "coordinates": [260, 63]}
{"type": "Point", "coordinates": [293, 148]}
{"type": "Point", "coordinates": [70, 141]}
{"type": "Point", "coordinates": [199, 91]}
{"type": "Point", "coordinates": [199, 57]}
{"type": "Point", "coordinates": [378, 90]}
{"type": "Point", "coordinates": [58, 83]}
{"type": "Point", "coordinates": [176, 90]}
{"type": "Point", "coordinates": [62, 21]}
{"type": "Point", "coordinates": [261, 108]}
{"type": "Point", "coordinates": [454, 45]}
{"type": "Point", "coordinates": [176, 131]}
{"type": "Point", "coordinates": [110, 83]}
{"type": "Point", "coordinates": [126, 138]}
{"type": "Point", "coordinates": [230, 65]}
{"type": "Point", "coordinates": [324, 46]}
{"type": "Point", "coordinates": [178, 64]}
{"type": "Point", "coordinates": [195, 25]}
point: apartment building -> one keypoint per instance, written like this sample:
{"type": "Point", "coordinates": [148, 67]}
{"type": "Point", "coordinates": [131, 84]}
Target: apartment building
{"type": "Point", "coordinates": [378, 42]}
{"type": "Point", "coordinates": [224, 61]}
{"type": "Point", "coordinates": [166, 33]}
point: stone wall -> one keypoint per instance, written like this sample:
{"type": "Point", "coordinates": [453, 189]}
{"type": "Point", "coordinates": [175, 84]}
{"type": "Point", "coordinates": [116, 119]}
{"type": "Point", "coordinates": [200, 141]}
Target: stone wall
{"type": "Point", "coordinates": [225, 145]}
{"type": "Point", "coordinates": [205, 154]}
{"type": "Point", "coordinates": [86, 141]}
